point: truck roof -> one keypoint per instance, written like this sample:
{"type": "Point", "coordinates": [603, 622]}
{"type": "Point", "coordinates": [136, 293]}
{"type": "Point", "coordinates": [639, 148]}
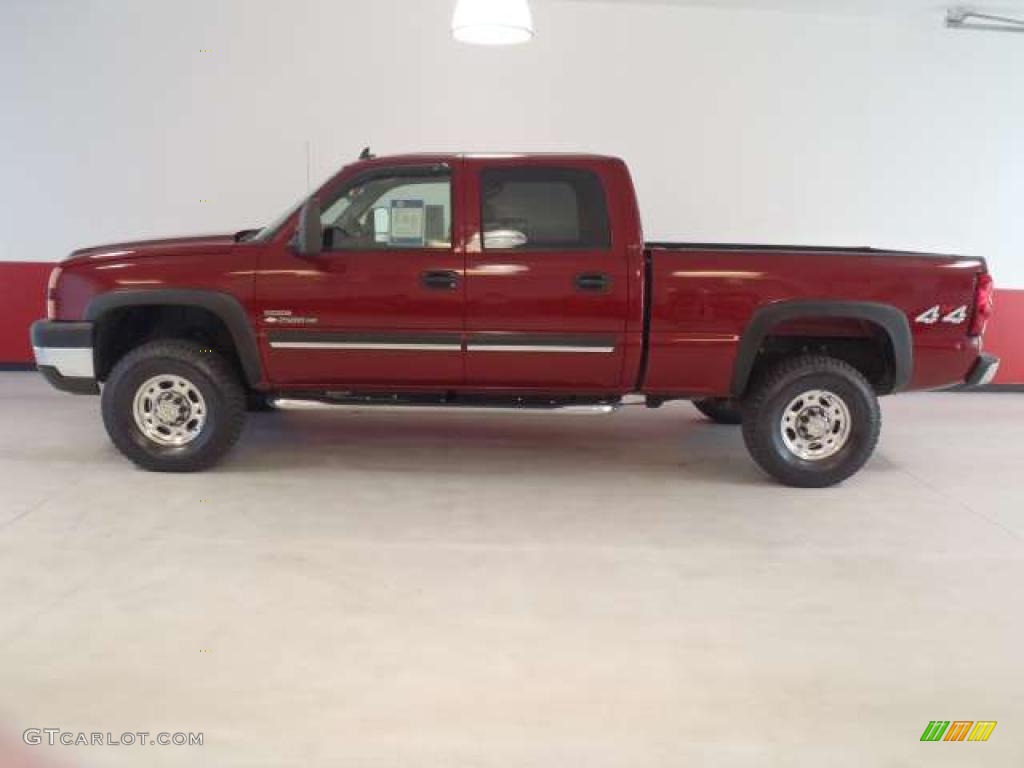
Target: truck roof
{"type": "Point", "coordinates": [437, 157]}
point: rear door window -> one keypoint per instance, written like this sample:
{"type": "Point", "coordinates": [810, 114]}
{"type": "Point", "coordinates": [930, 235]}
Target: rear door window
{"type": "Point", "coordinates": [543, 209]}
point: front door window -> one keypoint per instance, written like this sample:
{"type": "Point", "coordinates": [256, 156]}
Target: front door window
{"type": "Point", "coordinates": [390, 212]}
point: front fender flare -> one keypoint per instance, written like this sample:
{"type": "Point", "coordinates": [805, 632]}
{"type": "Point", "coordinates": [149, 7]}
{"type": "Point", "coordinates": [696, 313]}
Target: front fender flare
{"type": "Point", "coordinates": [223, 305]}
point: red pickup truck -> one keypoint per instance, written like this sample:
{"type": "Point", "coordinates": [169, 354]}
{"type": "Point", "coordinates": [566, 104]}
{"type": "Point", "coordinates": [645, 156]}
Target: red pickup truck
{"type": "Point", "coordinates": [504, 281]}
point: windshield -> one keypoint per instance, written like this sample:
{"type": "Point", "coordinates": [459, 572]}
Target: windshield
{"type": "Point", "coordinates": [270, 230]}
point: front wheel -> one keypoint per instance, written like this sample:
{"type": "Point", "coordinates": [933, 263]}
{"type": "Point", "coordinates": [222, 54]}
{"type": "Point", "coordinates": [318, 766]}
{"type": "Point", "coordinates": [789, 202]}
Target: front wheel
{"type": "Point", "coordinates": [812, 421]}
{"type": "Point", "coordinates": [173, 406]}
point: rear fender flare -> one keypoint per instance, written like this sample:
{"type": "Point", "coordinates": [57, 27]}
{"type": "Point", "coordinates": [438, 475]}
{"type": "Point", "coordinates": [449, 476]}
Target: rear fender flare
{"type": "Point", "coordinates": [765, 318]}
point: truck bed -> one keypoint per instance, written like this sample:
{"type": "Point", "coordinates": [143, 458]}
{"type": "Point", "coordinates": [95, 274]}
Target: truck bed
{"type": "Point", "coordinates": [863, 250]}
{"type": "Point", "coordinates": [705, 296]}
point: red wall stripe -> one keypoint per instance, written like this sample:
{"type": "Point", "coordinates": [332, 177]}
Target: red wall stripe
{"type": "Point", "coordinates": [1004, 336]}
{"type": "Point", "coordinates": [23, 289]}
{"type": "Point", "coordinates": [22, 302]}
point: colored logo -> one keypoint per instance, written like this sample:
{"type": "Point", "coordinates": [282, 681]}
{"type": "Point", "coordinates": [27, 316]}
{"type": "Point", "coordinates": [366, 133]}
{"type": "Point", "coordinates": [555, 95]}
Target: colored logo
{"type": "Point", "coordinates": [958, 730]}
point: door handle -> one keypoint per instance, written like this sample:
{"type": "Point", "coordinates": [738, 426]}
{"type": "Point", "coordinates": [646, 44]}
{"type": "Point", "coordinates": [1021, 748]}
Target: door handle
{"type": "Point", "coordinates": [440, 279]}
{"type": "Point", "coordinates": [594, 282]}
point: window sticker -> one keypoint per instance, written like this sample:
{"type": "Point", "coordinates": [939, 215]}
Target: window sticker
{"type": "Point", "coordinates": [408, 222]}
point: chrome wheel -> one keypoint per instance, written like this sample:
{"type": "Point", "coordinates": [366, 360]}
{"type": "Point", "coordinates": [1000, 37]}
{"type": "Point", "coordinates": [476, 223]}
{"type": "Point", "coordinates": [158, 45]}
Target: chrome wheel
{"type": "Point", "coordinates": [815, 425]}
{"type": "Point", "coordinates": [169, 410]}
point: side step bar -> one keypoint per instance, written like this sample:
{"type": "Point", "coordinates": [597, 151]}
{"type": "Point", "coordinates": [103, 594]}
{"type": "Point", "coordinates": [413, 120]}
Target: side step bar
{"type": "Point", "coordinates": [518, 406]}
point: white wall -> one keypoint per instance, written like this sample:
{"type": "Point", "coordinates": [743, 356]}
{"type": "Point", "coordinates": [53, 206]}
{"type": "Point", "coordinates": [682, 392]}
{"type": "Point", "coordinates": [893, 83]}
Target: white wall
{"type": "Point", "coordinates": [740, 125]}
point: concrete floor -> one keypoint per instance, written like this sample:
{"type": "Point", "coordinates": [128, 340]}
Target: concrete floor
{"type": "Point", "coordinates": [425, 589]}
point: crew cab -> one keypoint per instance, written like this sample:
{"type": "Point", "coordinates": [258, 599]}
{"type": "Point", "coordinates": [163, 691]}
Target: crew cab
{"type": "Point", "coordinates": [504, 281]}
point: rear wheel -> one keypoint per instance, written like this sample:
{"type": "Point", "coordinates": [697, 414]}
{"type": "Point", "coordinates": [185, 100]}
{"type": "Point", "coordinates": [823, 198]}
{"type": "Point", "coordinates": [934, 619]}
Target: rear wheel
{"type": "Point", "coordinates": [720, 410]}
{"type": "Point", "coordinates": [170, 406]}
{"type": "Point", "coordinates": [812, 421]}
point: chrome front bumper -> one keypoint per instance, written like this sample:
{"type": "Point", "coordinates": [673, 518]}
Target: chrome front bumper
{"type": "Point", "coordinates": [64, 355]}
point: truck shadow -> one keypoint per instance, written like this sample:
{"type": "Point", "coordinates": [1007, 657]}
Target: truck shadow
{"type": "Point", "coordinates": [667, 444]}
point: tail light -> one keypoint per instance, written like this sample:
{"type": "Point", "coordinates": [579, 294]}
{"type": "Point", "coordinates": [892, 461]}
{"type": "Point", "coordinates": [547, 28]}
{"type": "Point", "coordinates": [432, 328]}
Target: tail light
{"type": "Point", "coordinates": [51, 294]}
{"type": "Point", "coordinates": [983, 291]}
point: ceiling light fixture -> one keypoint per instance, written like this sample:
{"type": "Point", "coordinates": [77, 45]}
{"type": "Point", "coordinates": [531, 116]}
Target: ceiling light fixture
{"type": "Point", "coordinates": [965, 18]}
{"type": "Point", "coordinates": [492, 22]}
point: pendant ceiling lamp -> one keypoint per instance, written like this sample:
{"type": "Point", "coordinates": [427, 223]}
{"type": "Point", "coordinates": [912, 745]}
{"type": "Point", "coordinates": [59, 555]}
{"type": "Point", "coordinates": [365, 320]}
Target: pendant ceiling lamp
{"type": "Point", "coordinates": [492, 22]}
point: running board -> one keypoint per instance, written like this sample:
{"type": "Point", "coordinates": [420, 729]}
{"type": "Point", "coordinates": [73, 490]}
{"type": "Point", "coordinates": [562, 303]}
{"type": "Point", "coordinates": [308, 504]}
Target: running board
{"type": "Point", "coordinates": [486, 406]}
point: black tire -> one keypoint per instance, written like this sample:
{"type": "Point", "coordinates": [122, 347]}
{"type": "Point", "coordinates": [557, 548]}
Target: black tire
{"type": "Point", "coordinates": [766, 407]}
{"type": "Point", "coordinates": [211, 377]}
{"type": "Point", "coordinates": [720, 410]}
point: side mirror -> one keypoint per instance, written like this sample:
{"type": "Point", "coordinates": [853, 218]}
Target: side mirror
{"type": "Point", "coordinates": [504, 239]}
{"type": "Point", "coordinates": [309, 238]}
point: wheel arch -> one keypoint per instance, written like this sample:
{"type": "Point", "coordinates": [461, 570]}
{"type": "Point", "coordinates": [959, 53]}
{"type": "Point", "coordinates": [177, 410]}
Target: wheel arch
{"type": "Point", "coordinates": [223, 306]}
{"type": "Point", "coordinates": [888, 318]}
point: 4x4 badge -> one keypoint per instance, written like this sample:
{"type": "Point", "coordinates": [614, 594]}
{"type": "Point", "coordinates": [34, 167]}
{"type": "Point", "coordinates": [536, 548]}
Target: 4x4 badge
{"type": "Point", "coordinates": [932, 315]}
